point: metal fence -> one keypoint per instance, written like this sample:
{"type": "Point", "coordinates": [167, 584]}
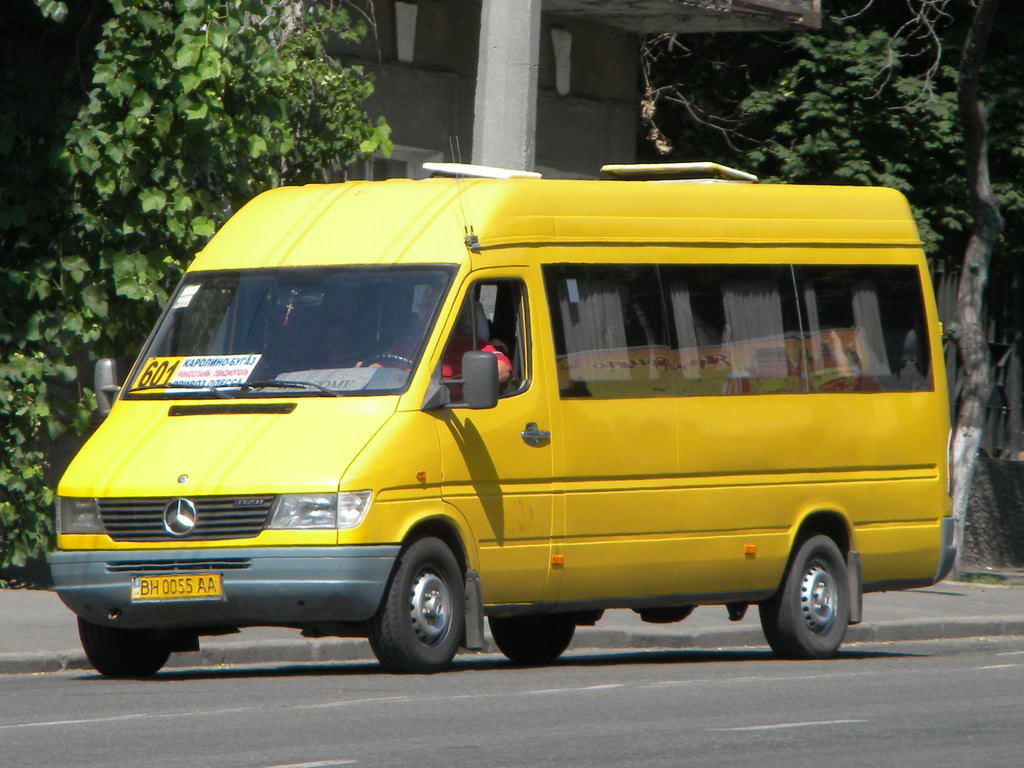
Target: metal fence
{"type": "Point", "coordinates": [1004, 425]}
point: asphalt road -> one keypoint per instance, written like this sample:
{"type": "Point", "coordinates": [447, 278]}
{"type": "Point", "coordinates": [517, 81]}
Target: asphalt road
{"type": "Point", "coordinates": [936, 704]}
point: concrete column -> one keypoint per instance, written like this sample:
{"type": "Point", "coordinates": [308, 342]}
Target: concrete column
{"type": "Point", "coordinates": [505, 117]}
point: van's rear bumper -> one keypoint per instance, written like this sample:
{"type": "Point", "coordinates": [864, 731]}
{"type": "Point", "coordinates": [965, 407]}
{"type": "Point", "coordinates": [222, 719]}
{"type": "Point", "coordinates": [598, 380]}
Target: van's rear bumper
{"type": "Point", "coordinates": [948, 553]}
{"type": "Point", "coordinates": [262, 586]}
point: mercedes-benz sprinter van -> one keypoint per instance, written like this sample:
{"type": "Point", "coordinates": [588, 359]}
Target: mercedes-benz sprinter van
{"type": "Point", "coordinates": [391, 409]}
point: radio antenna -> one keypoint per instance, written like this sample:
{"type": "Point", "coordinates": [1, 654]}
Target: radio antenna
{"type": "Point", "coordinates": [469, 236]}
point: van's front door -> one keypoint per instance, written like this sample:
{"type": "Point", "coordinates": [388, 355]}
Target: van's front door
{"type": "Point", "coordinates": [497, 463]}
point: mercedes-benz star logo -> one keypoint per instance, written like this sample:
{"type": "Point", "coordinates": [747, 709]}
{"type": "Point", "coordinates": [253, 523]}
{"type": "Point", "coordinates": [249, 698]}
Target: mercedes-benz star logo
{"type": "Point", "coordinates": [180, 517]}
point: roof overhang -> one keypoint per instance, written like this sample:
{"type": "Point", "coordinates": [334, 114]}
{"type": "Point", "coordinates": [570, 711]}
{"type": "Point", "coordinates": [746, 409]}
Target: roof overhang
{"type": "Point", "coordinates": [693, 16]}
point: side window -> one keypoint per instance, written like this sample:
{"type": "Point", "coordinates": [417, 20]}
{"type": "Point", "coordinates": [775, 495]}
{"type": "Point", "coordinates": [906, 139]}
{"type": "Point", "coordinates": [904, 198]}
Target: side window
{"type": "Point", "coordinates": [865, 329]}
{"type": "Point", "coordinates": [729, 329]}
{"type": "Point", "coordinates": [735, 329]}
{"type": "Point", "coordinates": [492, 319]}
{"type": "Point", "coordinates": [610, 334]}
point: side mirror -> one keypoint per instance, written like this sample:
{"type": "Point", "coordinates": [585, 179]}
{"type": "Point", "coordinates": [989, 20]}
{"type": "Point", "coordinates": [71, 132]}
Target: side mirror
{"type": "Point", "coordinates": [106, 387]}
{"type": "Point", "coordinates": [480, 377]}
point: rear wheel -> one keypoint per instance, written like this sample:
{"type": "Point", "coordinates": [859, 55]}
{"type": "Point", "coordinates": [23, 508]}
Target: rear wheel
{"type": "Point", "coordinates": [532, 639]}
{"type": "Point", "coordinates": [116, 652]}
{"type": "Point", "coordinates": [419, 625]}
{"type": "Point", "coordinates": [807, 618]}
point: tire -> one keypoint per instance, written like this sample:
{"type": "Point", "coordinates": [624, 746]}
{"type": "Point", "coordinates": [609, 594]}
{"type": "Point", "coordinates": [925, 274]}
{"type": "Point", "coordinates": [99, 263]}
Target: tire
{"type": "Point", "coordinates": [118, 652]}
{"type": "Point", "coordinates": [807, 618]}
{"type": "Point", "coordinates": [532, 639]}
{"type": "Point", "coordinates": [419, 624]}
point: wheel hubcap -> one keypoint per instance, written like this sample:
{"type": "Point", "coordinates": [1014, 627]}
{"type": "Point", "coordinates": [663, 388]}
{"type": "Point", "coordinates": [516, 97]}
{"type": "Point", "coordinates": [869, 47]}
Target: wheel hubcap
{"type": "Point", "coordinates": [818, 599]}
{"type": "Point", "coordinates": [430, 608]}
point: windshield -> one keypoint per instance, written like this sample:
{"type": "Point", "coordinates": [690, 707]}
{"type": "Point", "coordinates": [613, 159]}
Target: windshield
{"type": "Point", "coordinates": [317, 331]}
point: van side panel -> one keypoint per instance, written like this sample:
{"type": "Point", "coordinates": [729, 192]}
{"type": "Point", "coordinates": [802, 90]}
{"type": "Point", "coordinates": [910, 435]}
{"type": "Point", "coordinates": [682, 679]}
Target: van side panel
{"type": "Point", "coordinates": [751, 468]}
{"type": "Point", "coordinates": [622, 512]}
{"type": "Point", "coordinates": [704, 494]}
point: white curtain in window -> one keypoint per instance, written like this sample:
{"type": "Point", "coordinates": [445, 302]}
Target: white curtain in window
{"type": "Point", "coordinates": [817, 362]}
{"type": "Point", "coordinates": [753, 321]}
{"type": "Point", "coordinates": [686, 331]}
{"type": "Point", "coordinates": [592, 316]}
{"type": "Point", "coordinates": [867, 317]}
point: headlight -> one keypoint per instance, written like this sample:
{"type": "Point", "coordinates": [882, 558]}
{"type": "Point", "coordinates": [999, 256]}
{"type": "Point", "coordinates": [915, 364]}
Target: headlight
{"type": "Point", "coordinates": [78, 516]}
{"type": "Point", "coordinates": [320, 510]}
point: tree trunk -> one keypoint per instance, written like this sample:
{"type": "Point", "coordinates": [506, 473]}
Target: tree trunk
{"type": "Point", "coordinates": [970, 325]}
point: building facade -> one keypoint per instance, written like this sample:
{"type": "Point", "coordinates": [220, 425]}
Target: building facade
{"type": "Point", "coordinates": [548, 85]}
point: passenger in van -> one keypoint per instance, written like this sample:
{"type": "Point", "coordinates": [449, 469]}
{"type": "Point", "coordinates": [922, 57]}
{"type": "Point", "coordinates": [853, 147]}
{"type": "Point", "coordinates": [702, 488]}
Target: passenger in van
{"type": "Point", "coordinates": [911, 378]}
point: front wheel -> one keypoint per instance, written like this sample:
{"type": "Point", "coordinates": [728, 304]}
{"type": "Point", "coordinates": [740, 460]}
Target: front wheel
{"type": "Point", "coordinates": [807, 618]}
{"type": "Point", "coordinates": [532, 639]}
{"type": "Point", "coordinates": [116, 652]}
{"type": "Point", "coordinates": [419, 625]}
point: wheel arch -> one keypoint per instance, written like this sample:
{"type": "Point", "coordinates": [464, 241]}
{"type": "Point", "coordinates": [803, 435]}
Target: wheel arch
{"type": "Point", "coordinates": [447, 530]}
{"type": "Point", "coordinates": [824, 522]}
{"type": "Point", "coordinates": [460, 541]}
{"type": "Point", "coordinates": [836, 526]}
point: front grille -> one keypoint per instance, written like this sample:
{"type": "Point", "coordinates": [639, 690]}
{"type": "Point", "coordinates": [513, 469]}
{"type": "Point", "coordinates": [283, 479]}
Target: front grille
{"type": "Point", "coordinates": [217, 517]}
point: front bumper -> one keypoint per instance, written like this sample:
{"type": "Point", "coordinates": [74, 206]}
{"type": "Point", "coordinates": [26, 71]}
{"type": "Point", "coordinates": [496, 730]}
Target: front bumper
{"type": "Point", "coordinates": [262, 586]}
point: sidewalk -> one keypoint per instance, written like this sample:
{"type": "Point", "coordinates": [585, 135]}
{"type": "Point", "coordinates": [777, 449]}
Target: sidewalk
{"type": "Point", "coordinates": [39, 634]}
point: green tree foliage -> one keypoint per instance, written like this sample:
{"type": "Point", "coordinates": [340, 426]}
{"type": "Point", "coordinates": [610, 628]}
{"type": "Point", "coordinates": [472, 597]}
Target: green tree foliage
{"type": "Point", "coordinates": [129, 131]}
{"type": "Point", "coordinates": [857, 102]}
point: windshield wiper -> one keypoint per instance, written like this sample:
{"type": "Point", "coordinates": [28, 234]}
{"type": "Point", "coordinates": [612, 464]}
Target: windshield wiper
{"type": "Point", "coordinates": [218, 391]}
{"type": "Point", "coordinates": [226, 390]}
{"type": "Point", "coordinates": [285, 384]}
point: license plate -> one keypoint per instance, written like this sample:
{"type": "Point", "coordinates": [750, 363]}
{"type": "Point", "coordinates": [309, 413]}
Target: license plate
{"type": "Point", "coordinates": [178, 586]}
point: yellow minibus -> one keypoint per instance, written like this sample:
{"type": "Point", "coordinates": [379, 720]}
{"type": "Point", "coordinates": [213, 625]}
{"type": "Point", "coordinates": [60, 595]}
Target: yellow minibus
{"type": "Point", "coordinates": [392, 409]}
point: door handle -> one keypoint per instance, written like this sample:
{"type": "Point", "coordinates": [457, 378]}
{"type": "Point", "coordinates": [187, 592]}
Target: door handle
{"type": "Point", "coordinates": [534, 436]}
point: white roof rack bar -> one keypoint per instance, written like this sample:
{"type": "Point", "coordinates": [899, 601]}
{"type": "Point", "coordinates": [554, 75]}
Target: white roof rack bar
{"type": "Point", "coordinates": [477, 171]}
{"type": "Point", "coordinates": [676, 171]}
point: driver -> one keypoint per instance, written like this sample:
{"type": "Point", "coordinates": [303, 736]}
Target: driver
{"type": "Point", "coordinates": [401, 352]}
{"type": "Point", "coordinates": [462, 341]}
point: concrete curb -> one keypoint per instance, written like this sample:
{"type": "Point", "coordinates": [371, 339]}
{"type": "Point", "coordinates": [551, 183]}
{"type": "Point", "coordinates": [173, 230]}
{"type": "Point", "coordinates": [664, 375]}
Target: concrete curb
{"type": "Point", "coordinates": [947, 629]}
{"type": "Point", "coordinates": [210, 655]}
{"type": "Point", "coordinates": [868, 632]}
{"type": "Point", "coordinates": [37, 662]}
{"type": "Point", "coordinates": [325, 651]}
{"type": "Point", "coordinates": [275, 651]}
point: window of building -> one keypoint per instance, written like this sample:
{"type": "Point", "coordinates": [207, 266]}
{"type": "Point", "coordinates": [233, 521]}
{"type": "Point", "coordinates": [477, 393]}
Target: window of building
{"type": "Point", "coordinates": [561, 45]}
{"type": "Point", "coordinates": [405, 30]}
